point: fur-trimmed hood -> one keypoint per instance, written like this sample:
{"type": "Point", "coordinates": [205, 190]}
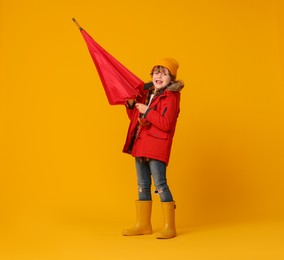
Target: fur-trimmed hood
{"type": "Point", "coordinates": [176, 86]}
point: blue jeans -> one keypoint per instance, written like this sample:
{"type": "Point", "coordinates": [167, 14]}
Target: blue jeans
{"type": "Point", "coordinates": [156, 169]}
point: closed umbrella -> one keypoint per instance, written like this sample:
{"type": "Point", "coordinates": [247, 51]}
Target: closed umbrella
{"type": "Point", "coordinates": [119, 83]}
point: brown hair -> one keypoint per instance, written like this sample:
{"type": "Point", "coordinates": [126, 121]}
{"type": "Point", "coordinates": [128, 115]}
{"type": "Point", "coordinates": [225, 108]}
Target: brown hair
{"type": "Point", "coordinates": [161, 69]}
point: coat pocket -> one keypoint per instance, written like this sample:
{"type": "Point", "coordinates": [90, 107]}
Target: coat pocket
{"type": "Point", "coordinates": [158, 134]}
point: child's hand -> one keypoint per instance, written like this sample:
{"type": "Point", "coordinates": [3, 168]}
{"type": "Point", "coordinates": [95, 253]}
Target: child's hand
{"type": "Point", "coordinates": [130, 103]}
{"type": "Point", "coordinates": [141, 108]}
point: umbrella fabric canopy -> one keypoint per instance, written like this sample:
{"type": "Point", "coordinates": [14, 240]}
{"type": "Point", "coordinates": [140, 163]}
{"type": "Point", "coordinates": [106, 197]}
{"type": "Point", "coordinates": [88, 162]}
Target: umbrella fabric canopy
{"type": "Point", "coordinates": [119, 83]}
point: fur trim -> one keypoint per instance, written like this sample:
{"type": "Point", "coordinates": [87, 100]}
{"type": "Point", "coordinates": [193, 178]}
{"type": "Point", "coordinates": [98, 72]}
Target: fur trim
{"type": "Point", "coordinates": [176, 86]}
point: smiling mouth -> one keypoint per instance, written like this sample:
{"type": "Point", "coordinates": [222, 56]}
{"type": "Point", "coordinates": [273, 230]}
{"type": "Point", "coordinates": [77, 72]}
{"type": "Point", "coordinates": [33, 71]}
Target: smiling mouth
{"type": "Point", "coordinates": [159, 81]}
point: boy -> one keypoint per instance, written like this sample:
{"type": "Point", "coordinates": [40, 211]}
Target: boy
{"type": "Point", "coordinates": [149, 139]}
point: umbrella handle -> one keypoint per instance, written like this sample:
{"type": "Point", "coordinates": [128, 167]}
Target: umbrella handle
{"type": "Point", "coordinates": [80, 28]}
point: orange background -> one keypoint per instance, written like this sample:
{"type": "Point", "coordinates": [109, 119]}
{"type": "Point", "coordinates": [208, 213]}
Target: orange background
{"type": "Point", "coordinates": [61, 142]}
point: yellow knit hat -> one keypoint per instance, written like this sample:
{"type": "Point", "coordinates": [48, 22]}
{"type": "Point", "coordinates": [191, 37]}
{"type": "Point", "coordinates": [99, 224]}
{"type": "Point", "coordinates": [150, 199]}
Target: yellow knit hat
{"type": "Point", "coordinates": [169, 63]}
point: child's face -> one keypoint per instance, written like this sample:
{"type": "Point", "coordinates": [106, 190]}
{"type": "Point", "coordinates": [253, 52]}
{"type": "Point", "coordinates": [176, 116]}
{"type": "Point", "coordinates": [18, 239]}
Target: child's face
{"type": "Point", "coordinates": [161, 77]}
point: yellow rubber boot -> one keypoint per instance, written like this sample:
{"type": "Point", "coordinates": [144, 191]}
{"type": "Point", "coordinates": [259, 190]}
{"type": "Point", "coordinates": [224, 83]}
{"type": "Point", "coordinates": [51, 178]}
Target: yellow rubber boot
{"type": "Point", "coordinates": [143, 219]}
{"type": "Point", "coordinates": [169, 230]}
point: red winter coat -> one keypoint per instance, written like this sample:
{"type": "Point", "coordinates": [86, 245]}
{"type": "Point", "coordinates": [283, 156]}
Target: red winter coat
{"type": "Point", "coordinates": [154, 140]}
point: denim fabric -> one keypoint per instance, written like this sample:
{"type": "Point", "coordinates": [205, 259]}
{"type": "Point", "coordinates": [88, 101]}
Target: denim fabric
{"type": "Point", "coordinates": [146, 169]}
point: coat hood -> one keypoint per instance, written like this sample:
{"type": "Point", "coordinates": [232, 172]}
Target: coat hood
{"type": "Point", "coordinates": [176, 86]}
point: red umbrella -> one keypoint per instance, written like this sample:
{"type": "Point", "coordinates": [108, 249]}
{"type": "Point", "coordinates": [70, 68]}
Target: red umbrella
{"type": "Point", "coordinates": [119, 83]}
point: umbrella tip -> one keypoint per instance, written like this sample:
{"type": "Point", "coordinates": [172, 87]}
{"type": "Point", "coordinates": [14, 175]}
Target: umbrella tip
{"type": "Point", "coordinates": [74, 20]}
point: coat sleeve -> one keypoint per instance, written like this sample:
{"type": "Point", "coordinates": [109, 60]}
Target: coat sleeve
{"type": "Point", "coordinates": [166, 117]}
